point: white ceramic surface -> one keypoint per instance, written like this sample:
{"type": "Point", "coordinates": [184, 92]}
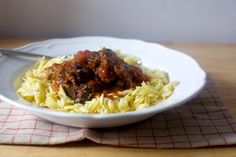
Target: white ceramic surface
{"type": "Point", "coordinates": [179, 66]}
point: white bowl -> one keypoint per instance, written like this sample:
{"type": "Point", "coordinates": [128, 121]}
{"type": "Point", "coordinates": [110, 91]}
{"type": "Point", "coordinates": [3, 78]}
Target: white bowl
{"type": "Point", "coordinates": [179, 66]}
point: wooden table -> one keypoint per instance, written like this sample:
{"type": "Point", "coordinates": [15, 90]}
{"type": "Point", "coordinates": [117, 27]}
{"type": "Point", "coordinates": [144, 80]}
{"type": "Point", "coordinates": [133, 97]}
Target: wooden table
{"type": "Point", "coordinates": [219, 60]}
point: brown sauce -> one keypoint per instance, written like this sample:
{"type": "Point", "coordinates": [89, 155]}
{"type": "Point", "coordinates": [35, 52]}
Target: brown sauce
{"type": "Point", "coordinates": [94, 73]}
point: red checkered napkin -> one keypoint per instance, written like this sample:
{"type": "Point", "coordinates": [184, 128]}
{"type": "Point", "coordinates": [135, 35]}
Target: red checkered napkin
{"type": "Point", "coordinates": [202, 122]}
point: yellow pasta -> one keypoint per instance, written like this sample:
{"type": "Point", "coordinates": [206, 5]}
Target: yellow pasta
{"type": "Point", "coordinates": [38, 91]}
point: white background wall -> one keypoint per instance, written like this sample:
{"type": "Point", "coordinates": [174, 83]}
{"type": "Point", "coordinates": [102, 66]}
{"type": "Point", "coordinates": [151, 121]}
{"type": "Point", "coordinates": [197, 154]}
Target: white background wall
{"type": "Point", "coordinates": [157, 20]}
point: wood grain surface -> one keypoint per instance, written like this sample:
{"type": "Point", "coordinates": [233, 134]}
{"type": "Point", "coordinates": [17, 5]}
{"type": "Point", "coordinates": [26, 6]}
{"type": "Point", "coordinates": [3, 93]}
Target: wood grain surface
{"type": "Point", "coordinates": [219, 60]}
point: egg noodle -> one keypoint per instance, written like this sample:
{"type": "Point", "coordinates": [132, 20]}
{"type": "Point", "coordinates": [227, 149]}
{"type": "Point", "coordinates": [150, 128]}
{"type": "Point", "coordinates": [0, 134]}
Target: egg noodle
{"type": "Point", "coordinates": [37, 90]}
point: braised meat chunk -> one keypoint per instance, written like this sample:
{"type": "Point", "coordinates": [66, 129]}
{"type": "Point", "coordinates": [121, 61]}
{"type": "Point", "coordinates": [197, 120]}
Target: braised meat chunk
{"type": "Point", "coordinates": [91, 73]}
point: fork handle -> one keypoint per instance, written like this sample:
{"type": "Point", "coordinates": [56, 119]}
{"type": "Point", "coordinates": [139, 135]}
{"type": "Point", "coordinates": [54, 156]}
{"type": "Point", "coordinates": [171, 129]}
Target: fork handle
{"type": "Point", "coordinates": [20, 53]}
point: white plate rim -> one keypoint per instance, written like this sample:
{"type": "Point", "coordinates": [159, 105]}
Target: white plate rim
{"type": "Point", "coordinates": [149, 110]}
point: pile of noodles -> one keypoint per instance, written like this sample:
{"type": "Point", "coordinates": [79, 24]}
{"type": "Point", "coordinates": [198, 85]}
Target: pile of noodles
{"type": "Point", "coordinates": [36, 89]}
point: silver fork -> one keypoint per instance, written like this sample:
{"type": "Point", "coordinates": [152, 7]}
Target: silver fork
{"type": "Point", "coordinates": [16, 53]}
